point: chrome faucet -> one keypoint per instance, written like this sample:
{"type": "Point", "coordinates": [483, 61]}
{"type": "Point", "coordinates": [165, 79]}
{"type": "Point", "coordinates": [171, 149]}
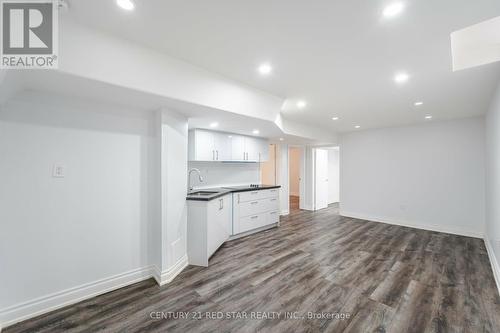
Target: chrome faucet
{"type": "Point", "coordinates": [200, 178]}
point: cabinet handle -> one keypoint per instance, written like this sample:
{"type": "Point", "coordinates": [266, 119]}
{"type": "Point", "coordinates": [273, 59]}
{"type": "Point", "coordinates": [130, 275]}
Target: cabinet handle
{"type": "Point", "coordinates": [217, 154]}
{"type": "Point", "coordinates": [213, 155]}
{"type": "Point", "coordinates": [273, 199]}
{"type": "Point", "coordinates": [221, 204]}
{"type": "Point", "coordinates": [254, 217]}
{"type": "Point", "coordinates": [254, 203]}
{"type": "Point", "coordinates": [255, 192]}
{"type": "Point", "coordinates": [273, 213]}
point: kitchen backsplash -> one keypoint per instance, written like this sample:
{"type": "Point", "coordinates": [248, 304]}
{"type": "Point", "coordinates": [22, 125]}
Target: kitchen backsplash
{"type": "Point", "coordinates": [224, 174]}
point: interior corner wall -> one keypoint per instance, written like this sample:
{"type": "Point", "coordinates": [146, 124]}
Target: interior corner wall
{"type": "Point", "coordinates": [492, 235]}
{"type": "Point", "coordinates": [429, 176]}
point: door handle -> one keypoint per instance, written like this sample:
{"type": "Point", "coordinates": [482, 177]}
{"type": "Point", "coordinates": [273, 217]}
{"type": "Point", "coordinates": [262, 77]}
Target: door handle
{"type": "Point", "coordinates": [217, 154]}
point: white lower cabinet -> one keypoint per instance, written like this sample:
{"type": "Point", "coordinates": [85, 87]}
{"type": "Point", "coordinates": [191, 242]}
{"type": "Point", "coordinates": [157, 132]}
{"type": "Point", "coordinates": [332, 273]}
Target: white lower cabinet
{"type": "Point", "coordinates": [209, 226]}
{"type": "Point", "coordinates": [255, 209]}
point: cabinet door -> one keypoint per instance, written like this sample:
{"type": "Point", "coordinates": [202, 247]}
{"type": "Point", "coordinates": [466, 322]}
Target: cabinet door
{"type": "Point", "coordinates": [218, 223]}
{"type": "Point", "coordinates": [204, 146]}
{"type": "Point", "coordinates": [252, 149]}
{"type": "Point", "coordinates": [222, 146]}
{"type": "Point", "coordinates": [238, 148]}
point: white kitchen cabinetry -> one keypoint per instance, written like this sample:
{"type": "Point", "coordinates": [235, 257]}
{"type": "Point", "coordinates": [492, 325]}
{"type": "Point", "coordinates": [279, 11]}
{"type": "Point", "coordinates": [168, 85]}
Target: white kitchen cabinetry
{"type": "Point", "coordinates": [209, 226]}
{"type": "Point", "coordinates": [238, 148]}
{"type": "Point", "coordinates": [207, 145]}
{"type": "Point", "coordinates": [255, 209]}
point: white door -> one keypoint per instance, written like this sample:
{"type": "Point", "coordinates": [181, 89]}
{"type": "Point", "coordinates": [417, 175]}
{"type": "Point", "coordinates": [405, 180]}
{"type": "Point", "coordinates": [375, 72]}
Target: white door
{"type": "Point", "coordinates": [222, 146]}
{"type": "Point", "coordinates": [302, 179]}
{"type": "Point", "coordinates": [321, 182]}
{"type": "Point", "coordinates": [204, 145]}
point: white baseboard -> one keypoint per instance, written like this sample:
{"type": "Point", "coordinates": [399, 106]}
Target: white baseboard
{"type": "Point", "coordinates": [494, 262]}
{"type": "Point", "coordinates": [168, 275]}
{"type": "Point", "coordinates": [448, 230]}
{"type": "Point", "coordinates": [284, 212]}
{"type": "Point", "coordinates": [41, 305]}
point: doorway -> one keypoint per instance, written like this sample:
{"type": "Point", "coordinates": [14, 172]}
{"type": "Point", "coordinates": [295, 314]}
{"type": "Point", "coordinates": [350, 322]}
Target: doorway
{"type": "Point", "coordinates": [326, 177]}
{"type": "Point", "coordinates": [294, 161]}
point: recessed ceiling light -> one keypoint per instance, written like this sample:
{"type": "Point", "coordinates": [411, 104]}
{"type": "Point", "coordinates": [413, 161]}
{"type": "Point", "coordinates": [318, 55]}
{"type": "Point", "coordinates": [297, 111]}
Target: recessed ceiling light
{"type": "Point", "coordinates": [428, 117]}
{"type": "Point", "coordinates": [281, 139]}
{"type": "Point", "coordinates": [230, 136]}
{"type": "Point", "coordinates": [255, 131]}
{"type": "Point", "coordinates": [401, 77]}
{"type": "Point", "coordinates": [393, 9]}
{"type": "Point", "coordinates": [301, 104]}
{"type": "Point", "coordinates": [126, 4]}
{"type": "Point", "coordinates": [357, 126]}
{"type": "Point", "coordinates": [214, 124]}
{"type": "Point", "coordinates": [419, 103]}
{"type": "Point", "coordinates": [265, 69]}
{"type": "Point", "coordinates": [335, 118]}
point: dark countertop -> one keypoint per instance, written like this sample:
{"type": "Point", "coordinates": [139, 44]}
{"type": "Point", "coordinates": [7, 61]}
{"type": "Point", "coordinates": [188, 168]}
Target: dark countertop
{"type": "Point", "coordinates": [221, 191]}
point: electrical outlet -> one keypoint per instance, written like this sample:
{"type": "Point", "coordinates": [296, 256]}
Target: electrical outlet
{"type": "Point", "coordinates": [59, 171]}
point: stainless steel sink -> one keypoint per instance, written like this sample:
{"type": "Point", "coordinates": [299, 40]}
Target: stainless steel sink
{"type": "Point", "coordinates": [202, 193]}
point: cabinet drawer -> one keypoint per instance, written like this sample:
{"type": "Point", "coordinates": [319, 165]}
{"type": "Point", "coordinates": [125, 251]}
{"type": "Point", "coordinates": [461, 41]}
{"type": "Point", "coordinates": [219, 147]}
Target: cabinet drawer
{"type": "Point", "coordinates": [259, 194]}
{"type": "Point", "coordinates": [252, 222]}
{"type": "Point", "coordinates": [253, 207]}
{"type": "Point", "coordinates": [258, 206]}
{"type": "Point", "coordinates": [273, 217]}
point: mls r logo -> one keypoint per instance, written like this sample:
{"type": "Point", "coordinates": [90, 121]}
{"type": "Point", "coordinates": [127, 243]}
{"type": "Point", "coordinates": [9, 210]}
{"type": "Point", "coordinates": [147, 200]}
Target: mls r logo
{"type": "Point", "coordinates": [27, 27]}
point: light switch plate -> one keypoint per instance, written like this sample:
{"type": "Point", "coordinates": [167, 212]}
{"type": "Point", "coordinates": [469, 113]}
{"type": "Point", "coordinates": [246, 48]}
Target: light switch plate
{"type": "Point", "coordinates": [59, 171]}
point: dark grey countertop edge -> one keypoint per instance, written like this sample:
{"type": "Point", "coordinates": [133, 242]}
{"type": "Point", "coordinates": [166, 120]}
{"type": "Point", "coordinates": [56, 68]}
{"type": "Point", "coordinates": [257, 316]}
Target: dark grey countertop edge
{"type": "Point", "coordinates": [223, 192]}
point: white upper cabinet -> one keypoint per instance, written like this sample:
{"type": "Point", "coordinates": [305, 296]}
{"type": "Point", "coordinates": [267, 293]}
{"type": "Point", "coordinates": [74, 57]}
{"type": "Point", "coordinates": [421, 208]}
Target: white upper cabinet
{"type": "Point", "coordinates": [238, 148]}
{"type": "Point", "coordinates": [222, 146]}
{"type": "Point", "coordinates": [252, 149]}
{"type": "Point", "coordinates": [201, 146]}
{"type": "Point", "coordinates": [207, 145]}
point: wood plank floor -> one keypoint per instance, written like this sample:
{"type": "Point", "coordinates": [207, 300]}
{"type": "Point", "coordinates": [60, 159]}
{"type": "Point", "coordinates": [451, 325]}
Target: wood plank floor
{"type": "Point", "coordinates": [384, 278]}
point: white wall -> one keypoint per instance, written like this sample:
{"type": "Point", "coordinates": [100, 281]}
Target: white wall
{"type": "Point", "coordinates": [119, 215]}
{"type": "Point", "coordinates": [62, 233]}
{"type": "Point", "coordinates": [268, 168]}
{"type": "Point", "coordinates": [492, 236]}
{"type": "Point", "coordinates": [282, 152]}
{"type": "Point", "coordinates": [174, 155]}
{"type": "Point", "coordinates": [429, 176]}
{"type": "Point", "coordinates": [294, 174]}
{"type": "Point", "coordinates": [218, 174]}
{"type": "Point", "coordinates": [333, 176]}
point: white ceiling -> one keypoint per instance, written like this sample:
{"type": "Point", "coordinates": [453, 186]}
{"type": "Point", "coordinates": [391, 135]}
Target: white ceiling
{"type": "Point", "coordinates": [476, 45]}
{"type": "Point", "coordinates": [340, 56]}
